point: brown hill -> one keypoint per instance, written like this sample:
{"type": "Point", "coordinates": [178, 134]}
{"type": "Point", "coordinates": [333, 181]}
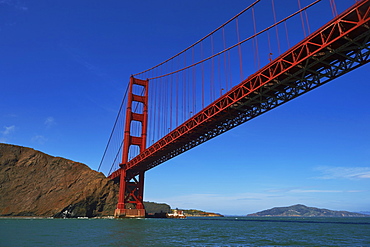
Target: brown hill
{"type": "Point", "coordinates": [36, 184]}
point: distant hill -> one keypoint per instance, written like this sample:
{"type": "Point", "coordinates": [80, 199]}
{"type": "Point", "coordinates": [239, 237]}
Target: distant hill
{"type": "Point", "coordinates": [304, 211]}
{"type": "Point", "coordinates": [364, 212]}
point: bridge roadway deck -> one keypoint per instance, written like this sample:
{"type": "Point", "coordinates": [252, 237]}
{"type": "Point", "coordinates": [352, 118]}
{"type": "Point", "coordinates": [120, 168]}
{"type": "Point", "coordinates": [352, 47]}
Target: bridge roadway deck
{"type": "Point", "coordinates": [335, 49]}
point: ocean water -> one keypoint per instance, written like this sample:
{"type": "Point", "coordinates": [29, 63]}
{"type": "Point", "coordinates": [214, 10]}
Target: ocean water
{"type": "Point", "coordinates": [226, 231]}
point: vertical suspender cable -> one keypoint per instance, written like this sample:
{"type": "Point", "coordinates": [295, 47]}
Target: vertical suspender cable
{"type": "Point", "coordinates": [177, 99]}
{"type": "Point", "coordinates": [212, 71]}
{"type": "Point", "coordinates": [276, 27]}
{"type": "Point", "coordinates": [307, 23]}
{"type": "Point", "coordinates": [286, 34]}
{"type": "Point", "coordinates": [163, 112]}
{"type": "Point", "coordinates": [194, 82]}
{"type": "Point", "coordinates": [333, 8]}
{"type": "Point", "coordinates": [155, 109]}
{"type": "Point", "coordinates": [219, 74]}
{"type": "Point", "coordinates": [171, 92]}
{"type": "Point", "coordinates": [184, 110]}
{"type": "Point", "coordinates": [202, 65]}
{"type": "Point", "coordinates": [255, 39]}
{"type": "Point", "coordinates": [269, 45]}
{"type": "Point", "coordinates": [225, 58]}
{"type": "Point", "coordinates": [301, 15]}
{"type": "Point", "coordinates": [239, 49]}
{"type": "Point", "coordinates": [229, 70]}
{"type": "Point", "coordinates": [165, 108]}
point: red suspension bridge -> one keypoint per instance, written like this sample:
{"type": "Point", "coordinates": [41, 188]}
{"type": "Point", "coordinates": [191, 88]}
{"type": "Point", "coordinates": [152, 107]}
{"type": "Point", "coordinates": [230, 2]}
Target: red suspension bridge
{"type": "Point", "coordinates": [212, 87]}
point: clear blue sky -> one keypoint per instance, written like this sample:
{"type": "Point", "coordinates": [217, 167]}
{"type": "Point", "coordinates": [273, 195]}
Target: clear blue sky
{"type": "Point", "coordinates": [64, 67]}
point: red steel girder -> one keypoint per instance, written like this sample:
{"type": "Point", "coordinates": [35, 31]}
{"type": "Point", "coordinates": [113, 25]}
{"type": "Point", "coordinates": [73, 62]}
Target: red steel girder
{"type": "Point", "coordinates": [335, 49]}
{"type": "Point", "coordinates": [131, 188]}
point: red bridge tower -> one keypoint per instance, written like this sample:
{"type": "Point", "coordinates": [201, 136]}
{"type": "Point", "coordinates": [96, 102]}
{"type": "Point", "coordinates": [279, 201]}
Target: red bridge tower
{"type": "Point", "coordinates": [130, 198]}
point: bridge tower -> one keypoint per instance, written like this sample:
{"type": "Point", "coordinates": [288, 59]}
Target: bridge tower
{"type": "Point", "coordinates": [131, 190]}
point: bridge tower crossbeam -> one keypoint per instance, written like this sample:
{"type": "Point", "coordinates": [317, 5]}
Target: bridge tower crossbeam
{"type": "Point", "coordinates": [130, 197]}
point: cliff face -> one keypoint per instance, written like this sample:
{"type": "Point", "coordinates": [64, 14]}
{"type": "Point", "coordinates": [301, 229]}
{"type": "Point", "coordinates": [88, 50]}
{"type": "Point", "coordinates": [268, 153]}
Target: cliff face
{"type": "Point", "coordinates": [35, 184]}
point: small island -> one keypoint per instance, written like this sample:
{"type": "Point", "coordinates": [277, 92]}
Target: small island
{"type": "Point", "coordinates": [199, 213]}
{"type": "Point", "coordinates": [300, 210]}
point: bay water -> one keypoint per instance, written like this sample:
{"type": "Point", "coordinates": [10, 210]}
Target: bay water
{"type": "Point", "coordinates": [192, 231]}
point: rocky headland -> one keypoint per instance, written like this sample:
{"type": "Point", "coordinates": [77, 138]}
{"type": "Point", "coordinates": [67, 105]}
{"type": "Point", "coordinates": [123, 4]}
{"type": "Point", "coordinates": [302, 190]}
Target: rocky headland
{"type": "Point", "coordinates": [36, 184]}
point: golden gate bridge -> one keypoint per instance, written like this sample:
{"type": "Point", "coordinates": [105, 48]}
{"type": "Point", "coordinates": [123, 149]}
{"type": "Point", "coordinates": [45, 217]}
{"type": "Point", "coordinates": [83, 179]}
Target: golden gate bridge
{"type": "Point", "coordinates": [263, 57]}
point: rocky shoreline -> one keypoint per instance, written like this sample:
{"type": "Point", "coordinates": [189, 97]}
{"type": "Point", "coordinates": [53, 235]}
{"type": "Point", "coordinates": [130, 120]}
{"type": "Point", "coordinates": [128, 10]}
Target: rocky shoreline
{"type": "Point", "coordinates": [34, 184]}
{"type": "Point", "coordinates": [37, 185]}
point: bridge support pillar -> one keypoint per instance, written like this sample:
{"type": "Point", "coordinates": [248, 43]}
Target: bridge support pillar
{"type": "Point", "coordinates": [130, 198]}
{"type": "Point", "coordinates": [131, 190]}
{"type": "Point", "coordinates": [121, 209]}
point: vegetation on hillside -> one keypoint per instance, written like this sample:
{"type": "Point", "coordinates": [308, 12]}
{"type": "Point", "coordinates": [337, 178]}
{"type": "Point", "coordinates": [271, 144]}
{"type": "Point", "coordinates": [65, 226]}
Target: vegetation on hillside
{"type": "Point", "coordinates": [304, 211]}
{"type": "Point", "coordinates": [156, 208]}
{"type": "Point", "coordinates": [199, 213]}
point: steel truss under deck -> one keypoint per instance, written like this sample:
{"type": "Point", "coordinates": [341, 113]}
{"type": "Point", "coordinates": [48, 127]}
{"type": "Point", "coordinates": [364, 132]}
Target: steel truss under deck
{"type": "Point", "coordinates": [339, 47]}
